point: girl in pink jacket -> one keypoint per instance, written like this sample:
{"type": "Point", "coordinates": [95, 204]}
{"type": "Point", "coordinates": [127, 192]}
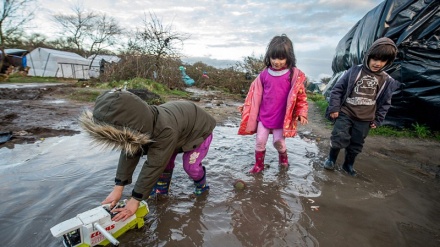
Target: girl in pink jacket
{"type": "Point", "coordinates": [275, 102]}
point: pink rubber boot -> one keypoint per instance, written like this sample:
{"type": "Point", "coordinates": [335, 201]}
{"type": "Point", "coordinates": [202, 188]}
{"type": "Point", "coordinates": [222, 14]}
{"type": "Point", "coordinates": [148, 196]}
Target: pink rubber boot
{"type": "Point", "coordinates": [259, 162]}
{"type": "Point", "coordinates": [282, 159]}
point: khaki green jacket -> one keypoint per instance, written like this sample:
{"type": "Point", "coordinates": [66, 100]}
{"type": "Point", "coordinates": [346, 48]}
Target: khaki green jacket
{"type": "Point", "coordinates": [123, 121]}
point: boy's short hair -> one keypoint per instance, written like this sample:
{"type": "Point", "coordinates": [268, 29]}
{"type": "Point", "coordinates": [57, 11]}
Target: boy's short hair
{"type": "Point", "coordinates": [383, 53]}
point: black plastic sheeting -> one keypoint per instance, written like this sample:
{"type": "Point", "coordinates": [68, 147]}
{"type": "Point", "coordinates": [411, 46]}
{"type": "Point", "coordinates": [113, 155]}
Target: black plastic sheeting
{"type": "Point", "coordinates": [415, 28]}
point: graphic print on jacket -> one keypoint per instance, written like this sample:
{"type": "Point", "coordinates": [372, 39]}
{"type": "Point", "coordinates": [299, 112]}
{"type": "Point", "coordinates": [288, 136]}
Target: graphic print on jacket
{"type": "Point", "coordinates": [364, 92]}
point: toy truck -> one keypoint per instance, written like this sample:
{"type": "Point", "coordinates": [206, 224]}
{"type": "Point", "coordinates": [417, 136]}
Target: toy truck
{"type": "Point", "coordinates": [96, 227]}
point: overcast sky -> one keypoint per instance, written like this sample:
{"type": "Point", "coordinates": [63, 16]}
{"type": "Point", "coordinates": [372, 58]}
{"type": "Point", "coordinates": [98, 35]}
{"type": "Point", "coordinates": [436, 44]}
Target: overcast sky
{"type": "Point", "coordinates": [224, 31]}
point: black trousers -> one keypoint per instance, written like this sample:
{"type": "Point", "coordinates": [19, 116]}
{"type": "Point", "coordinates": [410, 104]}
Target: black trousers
{"type": "Point", "coordinates": [349, 134]}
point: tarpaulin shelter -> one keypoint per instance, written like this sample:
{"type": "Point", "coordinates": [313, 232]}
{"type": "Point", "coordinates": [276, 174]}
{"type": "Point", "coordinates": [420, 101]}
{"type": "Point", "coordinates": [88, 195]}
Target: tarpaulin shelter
{"type": "Point", "coordinates": [97, 63]}
{"type": "Point", "coordinates": [414, 25]}
{"type": "Point", "coordinates": [55, 63]}
{"type": "Point", "coordinates": [16, 58]}
{"type": "Point", "coordinates": [316, 87]}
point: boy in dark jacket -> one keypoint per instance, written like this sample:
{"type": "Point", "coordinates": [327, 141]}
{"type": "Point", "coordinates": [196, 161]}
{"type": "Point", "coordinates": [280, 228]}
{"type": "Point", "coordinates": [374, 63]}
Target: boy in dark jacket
{"type": "Point", "coordinates": [121, 120]}
{"type": "Point", "coordinates": [359, 101]}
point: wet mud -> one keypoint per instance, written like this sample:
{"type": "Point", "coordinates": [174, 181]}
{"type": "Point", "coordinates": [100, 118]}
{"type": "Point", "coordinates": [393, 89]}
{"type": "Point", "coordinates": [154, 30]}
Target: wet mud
{"type": "Point", "coordinates": [52, 173]}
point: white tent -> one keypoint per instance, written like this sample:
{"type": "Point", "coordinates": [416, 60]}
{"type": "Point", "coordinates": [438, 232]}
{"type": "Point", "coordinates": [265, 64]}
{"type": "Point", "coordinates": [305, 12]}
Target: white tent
{"type": "Point", "coordinates": [54, 63]}
{"type": "Point", "coordinates": [97, 63]}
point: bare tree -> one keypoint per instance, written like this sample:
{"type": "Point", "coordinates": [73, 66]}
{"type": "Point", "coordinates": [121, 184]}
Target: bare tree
{"type": "Point", "coordinates": [75, 26]}
{"type": "Point", "coordinates": [88, 32]}
{"type": "Point", "coordinates": [35, 40]}
{"type": "Point", "coordinates": [156, 39]}
{"type": "Point", "coordinates": [14, 15]}
{"type": "Point", "coordinates": [103, 33]}
{"type": "Point", "coordinates": [159, 42]}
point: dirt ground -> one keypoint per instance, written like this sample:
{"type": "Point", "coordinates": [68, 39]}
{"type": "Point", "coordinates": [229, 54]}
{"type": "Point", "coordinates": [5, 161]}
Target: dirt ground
{"type": "Point", "coordinates": [25, 112]}
{"type": "Point", "coordinates": [393, 202]}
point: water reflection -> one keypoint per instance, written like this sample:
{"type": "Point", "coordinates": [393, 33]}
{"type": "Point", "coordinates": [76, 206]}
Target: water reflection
{"type": "Point", "coordinates": [264, 215]}
{"type": "Point", "coordinates": [51, 181]}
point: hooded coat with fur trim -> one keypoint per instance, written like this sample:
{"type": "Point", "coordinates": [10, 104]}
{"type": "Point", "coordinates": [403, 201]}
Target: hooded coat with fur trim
{"type": "Point", "coordinates": [123, 121]}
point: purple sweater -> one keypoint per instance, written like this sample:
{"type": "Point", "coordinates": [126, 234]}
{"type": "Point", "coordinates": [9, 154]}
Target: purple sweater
{"type": "Point", "coordinates": [276, 87]}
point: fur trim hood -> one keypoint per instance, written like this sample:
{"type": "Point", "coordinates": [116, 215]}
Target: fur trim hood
{"type": "Point", "coordinates": [120, 120]}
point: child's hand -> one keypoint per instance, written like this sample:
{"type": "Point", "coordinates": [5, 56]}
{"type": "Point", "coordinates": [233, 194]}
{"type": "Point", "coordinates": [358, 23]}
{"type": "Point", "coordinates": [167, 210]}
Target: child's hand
{"type": "Point", "coordinates": [124, 213]}
{"type": "Point", "coordinates": [302, 120]}
{"type": "Point", "coordinates": [240, 109]}
{"type": "Point", "coordinates": [372, 125]}
{"type": "Point", "coordinates": [114, 196]}
{"type": "Point", "coordinates": [334, 115]}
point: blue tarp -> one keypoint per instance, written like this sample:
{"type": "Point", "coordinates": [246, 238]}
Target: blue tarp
{"type": "Point", "coordinates": [17, 58]}
{"type": "Point", "coordinates": [186, 79]}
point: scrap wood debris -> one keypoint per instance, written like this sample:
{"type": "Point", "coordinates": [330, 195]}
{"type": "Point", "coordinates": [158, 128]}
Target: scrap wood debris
{"type": "Point", "coordinates": [313, 208]}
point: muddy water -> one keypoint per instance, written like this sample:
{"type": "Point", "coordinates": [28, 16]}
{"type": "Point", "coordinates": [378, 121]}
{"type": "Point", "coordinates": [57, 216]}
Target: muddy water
{"type": "Point", "coordinates": [53, 180]}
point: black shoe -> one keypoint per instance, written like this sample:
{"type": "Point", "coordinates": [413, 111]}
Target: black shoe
{"type": "Point", "coordinates": [349, 169]}
{"type": "Point", "coordinates": [329, 165]}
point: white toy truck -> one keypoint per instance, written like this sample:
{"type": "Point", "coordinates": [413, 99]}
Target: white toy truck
{"type": "Point", "coordinates": [96, 227]}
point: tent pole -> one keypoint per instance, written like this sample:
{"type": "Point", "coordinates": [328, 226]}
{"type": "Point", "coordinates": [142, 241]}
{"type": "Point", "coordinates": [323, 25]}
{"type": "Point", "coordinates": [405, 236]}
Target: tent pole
{"type": "Point", "coordinates": [45, 65]}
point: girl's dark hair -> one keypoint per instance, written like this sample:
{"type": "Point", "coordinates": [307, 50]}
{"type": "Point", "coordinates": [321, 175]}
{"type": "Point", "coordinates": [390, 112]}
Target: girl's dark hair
{"type": "Point", "coordinates": [384, 53]}
{"type": "Point", "coordinates": [280, 47]}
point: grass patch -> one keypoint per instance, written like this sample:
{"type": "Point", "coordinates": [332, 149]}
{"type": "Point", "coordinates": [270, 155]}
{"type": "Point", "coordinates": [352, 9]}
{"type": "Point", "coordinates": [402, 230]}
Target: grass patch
{"type": "Point", "coordinates": [436, 135]}
{"type": "Point", "coordinates": [84, 95]}
{"type": "Point", "coordinates": [390, 132]}
{"type": "Point", "coordinates": [16, 78]}
{"type": "Point", "coordinates": [421, 131]}
{"type": "Point", "coordinates": [416, 131]}
{"type": "Point", "coordinates": [315, 97]}
{"type": "Point", "coordinates": [179, 93]}
{"type": "Point", "coordinates": [319, 100]}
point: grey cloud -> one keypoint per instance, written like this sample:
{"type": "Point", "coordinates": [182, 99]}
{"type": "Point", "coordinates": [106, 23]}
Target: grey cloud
{"type": "Point", "coordinates": [314, 24]}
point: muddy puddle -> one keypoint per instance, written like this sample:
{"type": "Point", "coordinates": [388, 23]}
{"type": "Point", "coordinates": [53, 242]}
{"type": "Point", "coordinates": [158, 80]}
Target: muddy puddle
{"type": "Point", "coordinates": [52, 180]}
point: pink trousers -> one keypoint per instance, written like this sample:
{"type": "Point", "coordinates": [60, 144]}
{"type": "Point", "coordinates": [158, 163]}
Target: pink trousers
{"type": "Point", "coordinates": [192, 160]}
{"type": "Point", "coordinates": [279, 141]}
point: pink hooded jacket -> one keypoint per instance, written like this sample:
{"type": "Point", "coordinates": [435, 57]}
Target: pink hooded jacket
{"type": "Point", "coordinates": [296, 106]}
